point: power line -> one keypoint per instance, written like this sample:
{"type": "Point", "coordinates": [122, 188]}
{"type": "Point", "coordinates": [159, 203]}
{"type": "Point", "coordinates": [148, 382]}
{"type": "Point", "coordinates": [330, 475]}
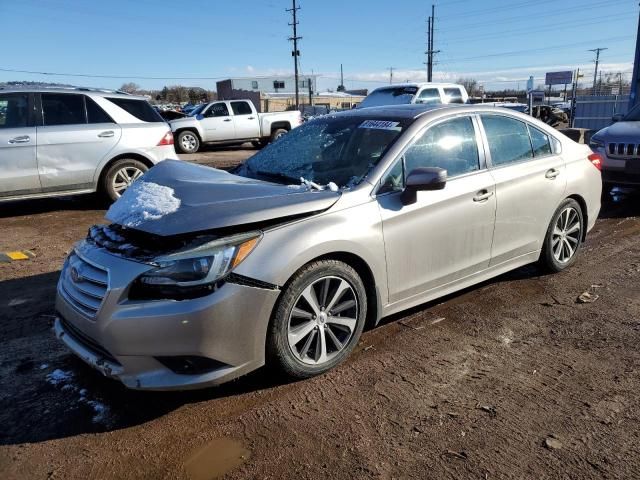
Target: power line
{"type": "Point", "coordinates": [295, 53]}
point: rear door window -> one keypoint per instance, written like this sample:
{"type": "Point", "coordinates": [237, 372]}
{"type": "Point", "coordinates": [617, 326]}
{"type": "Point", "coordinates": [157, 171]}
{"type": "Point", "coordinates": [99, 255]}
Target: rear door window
{"type": "Point", "coordinates": [454, 95]}
{"type": "Point", "coordinates": [540, 142]}
{"type": "Point", "coordinates": [95, 113]}
{"type": "Point", "coordinates": [450, 145]}
{"type": "Point", "coordinates": [137, 108]}
{"type": "Point", "coordinates": [508, 139]}
{"type": "Point", "coordinates": [63, 109]}
{"type": "Point", "coordinates": [14, 110]}
{"type": "Point", "coordinates": [241, 108]}
{"type": "Point", "coordinates": [430, 96]}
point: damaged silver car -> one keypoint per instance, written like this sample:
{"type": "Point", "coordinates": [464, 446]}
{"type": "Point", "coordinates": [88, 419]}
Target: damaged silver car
{"type": "Point", "coordinates": [205, 275]}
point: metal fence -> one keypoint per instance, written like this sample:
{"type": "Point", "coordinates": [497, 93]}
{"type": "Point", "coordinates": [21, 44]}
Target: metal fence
{"type": "Point", "coordinates": [595, 112]}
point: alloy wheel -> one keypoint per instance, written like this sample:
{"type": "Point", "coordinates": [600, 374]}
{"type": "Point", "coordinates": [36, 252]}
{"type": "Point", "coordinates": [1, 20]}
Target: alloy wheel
{"type": "Point", "coordinates": [566, 235]}
{"type": "Point", "coordinates": [124, 178]}
{"type": "Point", "coordinates": [322, 321]}
{"type": "Point", "coordinates": [188, 142]}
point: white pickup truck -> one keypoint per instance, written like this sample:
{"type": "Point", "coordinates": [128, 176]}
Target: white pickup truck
{"type": "Point", "coordinates": [230, 121]}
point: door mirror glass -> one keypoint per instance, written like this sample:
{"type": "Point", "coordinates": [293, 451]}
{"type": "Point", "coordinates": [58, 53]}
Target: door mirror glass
{"type": "Point", "coordinates": [618, 117]}
{"type": "Point", "coordinates": [423, 178]}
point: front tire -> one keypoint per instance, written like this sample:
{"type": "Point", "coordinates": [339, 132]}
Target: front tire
{"type": "Point", "coordinates": [564, 237]}
{"type": "Point", "coordinates": [120, 176]}
{"type": "Point", "coordinates": [188, 142]}
{"type": "Point", "coordinates": [318, 319]}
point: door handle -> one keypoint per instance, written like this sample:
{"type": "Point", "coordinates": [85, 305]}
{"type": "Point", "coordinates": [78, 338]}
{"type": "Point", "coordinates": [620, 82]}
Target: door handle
{"type": "Point", "coordinates": [227, 120]}
{"type": "Point", "coordinates": [552, 173]}
{"type": "Point", "coordinates": [107, 134]}
{"type": "Point", "coordinates": [482, 196]}
{"type": "Point", "coordinates": [252, 118]}
{"type": "Point", "coordinates": [20, 139]}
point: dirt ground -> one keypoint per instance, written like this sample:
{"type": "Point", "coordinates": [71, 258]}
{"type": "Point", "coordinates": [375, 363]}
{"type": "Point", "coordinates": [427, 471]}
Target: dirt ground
{"type": "Point", "coordinates": [509, 379]}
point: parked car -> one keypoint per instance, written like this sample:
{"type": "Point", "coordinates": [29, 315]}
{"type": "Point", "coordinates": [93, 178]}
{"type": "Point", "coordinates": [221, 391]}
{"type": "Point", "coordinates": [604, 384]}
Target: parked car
{"type": "Point", "coordinates": [205, 275]}
{"type": "Point", "coordinates": [425, 93]}
{"type": "Point", "coordinates": [231, 121]}
{"type": "Point", "coordinates": [63, 141]}
{"type": "Point", "coordinates": [619, 145]}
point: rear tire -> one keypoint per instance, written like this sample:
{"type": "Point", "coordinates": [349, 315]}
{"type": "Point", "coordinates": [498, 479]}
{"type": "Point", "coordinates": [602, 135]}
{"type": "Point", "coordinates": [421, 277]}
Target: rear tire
{"type": "Point", "coordinates": [120, 175]}
{"type": "Point", "coordinates": [188, 142]}
{"type": "Point", "coordinates": [564, 237]}
{"type": "Point", "coordinates": [277, 133]}
{"type": "Point", "coordinates": [309, 337]}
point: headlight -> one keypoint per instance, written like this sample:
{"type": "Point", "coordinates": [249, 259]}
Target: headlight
{"type": "Point", "coordinates": [596, 142]}
{"type": "Point", "coordinates": [193, 273]}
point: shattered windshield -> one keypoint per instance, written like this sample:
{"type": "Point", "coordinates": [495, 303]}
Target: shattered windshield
{"type": "Point", "coordinates": [335, 149]}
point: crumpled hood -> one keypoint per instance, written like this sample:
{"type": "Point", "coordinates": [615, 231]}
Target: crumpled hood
{"type": "Point", "coordinates": [175, 198]}
{"type": "Point", "coordinates": [627, 132]}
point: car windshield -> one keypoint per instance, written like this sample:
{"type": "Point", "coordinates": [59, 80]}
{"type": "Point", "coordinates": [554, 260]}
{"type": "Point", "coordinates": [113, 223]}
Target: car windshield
{"type": "Point", "coordinates": [389, 96]}
{"type": "Point", "coordinates": [338, 149]}
{"type": "Point", "coordinates": [633, 115]}
{"type": "Point", "coordinates": [197, 110]}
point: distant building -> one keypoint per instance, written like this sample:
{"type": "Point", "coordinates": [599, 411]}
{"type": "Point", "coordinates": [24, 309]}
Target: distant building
{"type": "Point", "coordinates": [273, 94]}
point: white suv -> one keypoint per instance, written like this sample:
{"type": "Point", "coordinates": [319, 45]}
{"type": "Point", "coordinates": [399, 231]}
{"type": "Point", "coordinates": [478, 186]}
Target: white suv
{"type": "Point", "coordinates": [428, 93]}
{"type": "Point", "coordinates": [66, 141]}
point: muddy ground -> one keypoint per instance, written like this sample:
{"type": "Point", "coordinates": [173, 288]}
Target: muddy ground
{"type": "Point", "coordinates": [509, 379]}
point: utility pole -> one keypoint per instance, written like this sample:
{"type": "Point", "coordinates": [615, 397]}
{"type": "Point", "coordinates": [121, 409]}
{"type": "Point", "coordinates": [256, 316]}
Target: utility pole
{"type": "Point", "coordinates": [595, 73]}
{"type": "Point", "coordinates": [310, 91]}
{"type": "Point", "coordinates": [295, 53]}
{"type": "Point", "coordinates": [430, 51]}
{"type": "Point", "coordinates": [390, 75]}
{"type": "Point", "coordinates": [341, 86]}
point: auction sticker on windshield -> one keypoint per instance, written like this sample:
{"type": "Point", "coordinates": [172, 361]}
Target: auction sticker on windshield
{"type": "Point", "coordinates": [380, 124]}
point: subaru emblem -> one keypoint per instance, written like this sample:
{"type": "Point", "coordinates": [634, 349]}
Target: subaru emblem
{"type": "Point", "coordinates": [75, 275]}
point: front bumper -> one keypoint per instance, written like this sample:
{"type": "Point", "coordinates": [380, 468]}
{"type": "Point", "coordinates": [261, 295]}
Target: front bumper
{"type": "Point", "coordinates": [124, 338]}
{"type": "Point", "coordinates": [619, 170]}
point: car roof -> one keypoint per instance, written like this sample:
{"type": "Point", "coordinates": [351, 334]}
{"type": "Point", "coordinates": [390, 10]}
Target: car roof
{"type": "Point", "coordinates": [419, 85]}
{"type": "Point", "coordinates": [102, 92]}
{"type": "Point", "coordinates": [404, 111]}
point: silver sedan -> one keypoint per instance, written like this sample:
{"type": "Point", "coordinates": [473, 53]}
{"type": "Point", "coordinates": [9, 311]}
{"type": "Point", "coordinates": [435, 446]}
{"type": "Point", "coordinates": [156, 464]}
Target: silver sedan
{"type": "Point", "coordinates": [205, 275]}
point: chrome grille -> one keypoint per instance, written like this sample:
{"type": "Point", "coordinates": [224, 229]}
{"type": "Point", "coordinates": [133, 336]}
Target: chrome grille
{"type": "Point", "coordinates": [623, 149]}
{"type": "Point", "coordinates": [84, 285]}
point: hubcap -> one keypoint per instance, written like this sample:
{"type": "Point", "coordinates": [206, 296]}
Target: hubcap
{"type": "Point", "coordinates": [322, 320]}
{"type": "Point", "coordinates": [188, 142]}
{"type": "Point", "coordinates": [125, 177]}
{"type": "Point", "coordinates": [566, 235]}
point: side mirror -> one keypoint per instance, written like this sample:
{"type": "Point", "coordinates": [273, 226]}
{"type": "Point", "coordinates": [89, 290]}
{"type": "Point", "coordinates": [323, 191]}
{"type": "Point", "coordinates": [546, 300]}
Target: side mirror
{"type": "Point", "coordinates": [617, 117]}
{"type": "Point", "coordinates": [423, 178]}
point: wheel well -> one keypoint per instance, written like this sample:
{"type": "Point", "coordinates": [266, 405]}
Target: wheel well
{"type": "Point", "coordinates": [132, 156]}
{"type": "Point", "coordinates": [583, 206]}
{"type": "Point", "coordinates": [362, 268]}
{"type": "Point", "coordinates": [277, 125]}
{"type": "Point", "coordinates": [193, 130]}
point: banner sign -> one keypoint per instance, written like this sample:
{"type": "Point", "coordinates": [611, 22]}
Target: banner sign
{"type": "Point", "coordinates": [558, 78]}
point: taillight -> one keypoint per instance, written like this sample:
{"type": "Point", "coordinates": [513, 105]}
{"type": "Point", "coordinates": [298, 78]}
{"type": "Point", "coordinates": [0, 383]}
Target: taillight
{"type": "Point", "coordinates": [167, 139]}
{"type": "Point", "coordinates": [596, 160]}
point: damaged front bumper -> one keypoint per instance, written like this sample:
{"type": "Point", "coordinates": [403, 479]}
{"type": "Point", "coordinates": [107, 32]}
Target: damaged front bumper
{"type": "Point", "coordinates": [159, 344]}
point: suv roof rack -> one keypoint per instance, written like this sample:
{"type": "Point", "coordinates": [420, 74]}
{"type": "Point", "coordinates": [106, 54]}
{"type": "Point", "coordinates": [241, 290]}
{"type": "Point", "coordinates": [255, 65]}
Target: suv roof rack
{"type": "Point", "coordinates": [62, 87]}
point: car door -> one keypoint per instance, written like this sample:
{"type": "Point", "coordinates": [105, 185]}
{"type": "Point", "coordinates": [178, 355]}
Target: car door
{"type": "Point", "coordinates": [69, 148]}
{"type": "Point", "coordinates": [530, 184]}
{"type": "Point", "coordinates": [217, 123]}
{"type": "Point", "coordinates": [446, 234]}
{"type": "Point", "coordinates": [18, 163]}
{"type": "Point", "coordinates": [245, 121]}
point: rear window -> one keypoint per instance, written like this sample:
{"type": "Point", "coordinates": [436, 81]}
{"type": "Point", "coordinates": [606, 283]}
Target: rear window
{"type": "Point", "coordinates": [389, 96]}
{"type": "Point", "coordinates": [95, 113]}
{"type": "Point", "coordinates": [138, 108]}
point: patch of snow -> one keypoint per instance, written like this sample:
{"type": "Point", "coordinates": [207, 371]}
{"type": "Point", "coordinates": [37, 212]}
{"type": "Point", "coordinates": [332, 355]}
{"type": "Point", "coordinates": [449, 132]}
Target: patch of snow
{"type": "Point", "coordinates": [58, 377]}
{"type": "Point", "coordinates": [14, 302]}
{"type": "Point", "coordinates": [43, 366]}
{"type": "Point", "coordinates": [113, 236]}
{"type": "Point", "coordinates": [102, 412]}
{"type": "Point", "coordinates": [141, 202]}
